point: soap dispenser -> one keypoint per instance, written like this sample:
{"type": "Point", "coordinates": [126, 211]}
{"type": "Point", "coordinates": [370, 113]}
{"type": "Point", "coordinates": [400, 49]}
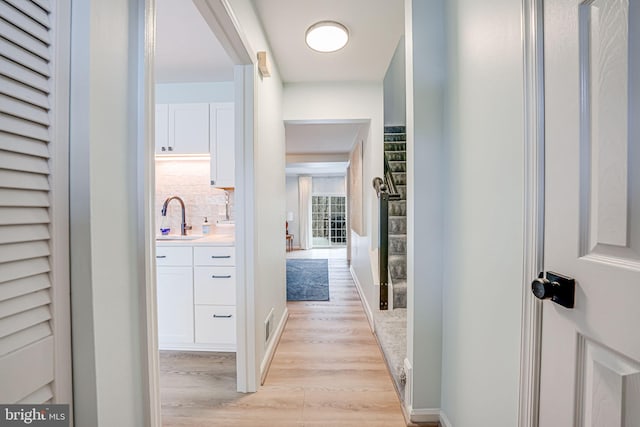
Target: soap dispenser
{"type": "Point", "coordinates": [206, 226]}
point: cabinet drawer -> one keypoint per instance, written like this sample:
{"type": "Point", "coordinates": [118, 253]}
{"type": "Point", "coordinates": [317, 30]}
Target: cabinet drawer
{"type": "Point", "coordinates": [215, 285]}
{"type": "Point", "coordinates": [215, 324]}
{"type": "Point", "coordinates": [174, 255]}
{"type": "Point", "coordinates": [215, 255]}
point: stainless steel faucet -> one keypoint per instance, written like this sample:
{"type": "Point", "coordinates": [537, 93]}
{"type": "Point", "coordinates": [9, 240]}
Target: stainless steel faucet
{"type": "Point", "coordinates": [183, 226]}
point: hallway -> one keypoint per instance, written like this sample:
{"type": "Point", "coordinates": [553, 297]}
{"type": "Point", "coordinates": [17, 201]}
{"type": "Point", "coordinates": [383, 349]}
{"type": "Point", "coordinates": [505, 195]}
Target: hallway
{"type": "Point", "coordinates": [327, 370]}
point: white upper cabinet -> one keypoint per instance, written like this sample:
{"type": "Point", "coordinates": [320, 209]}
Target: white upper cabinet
{"type": "Point", "coordinates": [187, 129]}
{"type": "Point", "coordinates": [162, 128]}
{"type": "Point", "coordinates": [222, 143]}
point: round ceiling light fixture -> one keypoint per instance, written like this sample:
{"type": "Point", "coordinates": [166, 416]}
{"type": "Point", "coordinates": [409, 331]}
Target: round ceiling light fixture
{"type": "Point", "coordinates": [327, 36]}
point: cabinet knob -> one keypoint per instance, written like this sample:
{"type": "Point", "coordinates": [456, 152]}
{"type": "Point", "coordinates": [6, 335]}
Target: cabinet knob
{"type": "Point", "coordinates": [163, 149]}
{"type": "Point", "coordinates": [220, 256]}
{"type": "Point", "coordinates": [161, 256]}
{"type": "Point", "coordinates": [217, 316]}
{"type": "Point", "coordinates": [170, 148]}
{"type": "Point", "coordinates": [228, 276]}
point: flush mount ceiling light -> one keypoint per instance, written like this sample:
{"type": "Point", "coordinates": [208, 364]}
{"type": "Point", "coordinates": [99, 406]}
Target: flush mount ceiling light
{"type": "Point", "coordinates": [327, 36]}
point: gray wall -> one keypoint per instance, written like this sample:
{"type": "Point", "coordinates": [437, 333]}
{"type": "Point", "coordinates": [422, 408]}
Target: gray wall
{"type": "Point", "coordinates": [395, 100]}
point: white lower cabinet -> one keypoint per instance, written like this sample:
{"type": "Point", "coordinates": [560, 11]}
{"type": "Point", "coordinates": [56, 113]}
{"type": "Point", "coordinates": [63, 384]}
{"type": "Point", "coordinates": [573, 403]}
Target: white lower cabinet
{"type": "Point", "coordinates": [197, 301]}
{"type": "Point", "coordinates": [175, 305]}
{"type": "Point", "coordinates": [216, 324]}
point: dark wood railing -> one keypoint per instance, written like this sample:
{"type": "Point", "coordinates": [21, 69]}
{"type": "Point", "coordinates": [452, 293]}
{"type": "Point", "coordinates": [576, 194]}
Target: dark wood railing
{"type": "Point", "coordinates": [386, 191]}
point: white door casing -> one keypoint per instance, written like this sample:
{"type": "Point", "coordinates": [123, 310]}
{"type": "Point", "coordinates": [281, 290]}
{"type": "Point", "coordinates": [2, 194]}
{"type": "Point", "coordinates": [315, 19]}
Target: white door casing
{"type": "Point", "coordinates": [590, 369]}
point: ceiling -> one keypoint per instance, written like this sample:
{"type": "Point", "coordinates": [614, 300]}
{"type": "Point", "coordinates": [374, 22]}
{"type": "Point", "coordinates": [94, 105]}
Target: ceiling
{"type": "Point", "coordinates": [375, 27]}
{"type": "Point", "coordinates": [186, 49]}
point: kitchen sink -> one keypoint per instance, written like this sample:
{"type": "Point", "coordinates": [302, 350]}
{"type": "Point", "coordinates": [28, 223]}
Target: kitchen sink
{"type": "Point", "coordinates": [178, 237]}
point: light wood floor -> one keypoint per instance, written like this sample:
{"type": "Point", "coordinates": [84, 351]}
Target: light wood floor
{"type": "Point", "coordinates": [327, 371]}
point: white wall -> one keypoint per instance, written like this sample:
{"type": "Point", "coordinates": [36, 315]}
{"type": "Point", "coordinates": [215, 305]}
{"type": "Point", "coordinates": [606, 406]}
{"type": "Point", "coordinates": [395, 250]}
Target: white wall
{"type": "Point", "coordinates": [333, 185]}
{"type": "Point", "coordinates": [349, 101]}
{"type": "Point", "coordinates": [269, 181]}
{"type": "Point", "coordinates": [168, 93]}
{"type": "Point", "coordinates": [107, 280]}
{"type": "Point", "coordinates": [484, 254]}
{"type": "Point", "coordinates": [395, 100]}
{"type": "Point", "coordinates": [292, 206]}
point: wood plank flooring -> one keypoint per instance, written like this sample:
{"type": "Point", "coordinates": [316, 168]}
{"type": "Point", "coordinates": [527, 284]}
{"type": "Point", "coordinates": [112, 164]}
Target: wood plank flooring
{"type": "Point", "coordinates": [327, 371]}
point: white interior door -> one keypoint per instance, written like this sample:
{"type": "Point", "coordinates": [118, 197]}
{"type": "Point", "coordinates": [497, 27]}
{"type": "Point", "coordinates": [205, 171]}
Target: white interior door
{"type": "Point", "coordinates": [590, 372]}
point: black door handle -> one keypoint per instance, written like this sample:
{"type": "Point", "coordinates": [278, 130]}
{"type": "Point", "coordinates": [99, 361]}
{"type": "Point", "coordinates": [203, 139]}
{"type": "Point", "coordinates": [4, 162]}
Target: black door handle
{"type": "Point", "coordinates": [560, 289]}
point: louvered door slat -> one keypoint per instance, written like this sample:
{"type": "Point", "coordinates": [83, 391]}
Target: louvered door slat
{"type": "Point", "coordinates": [20, 162]}
{"type": "Point", "coordinates": [32, 11]}
{"type": "Point", "coordinates": [20, 216]}
{"type": "Point", "coordinates": [24, 337]}
{"type": "Point", "coordinates": [23, 180]}
{"type": "Point", "coordinates": [25, 40]}
{"type": "Point", "coordinates": [23, 92]}
{"type": "Point", "coordinates": [22, 75]}
{"type": "Point", "coordinates": [16, 126]}
{"type": "Point", "coordinates": [27, 369]}
{"type": "Point", "coordinates": [23, 250]}
{"type": "Point", "coordinates": [23, 286]}
{"type": "Point", "coordinates": [41, 396]}
{"type": "Point", "coordinates": [23, 320]}
{"type": "Point", "coordinates": [21, 269]}
{"type": "Point", "coordinates": [44, 4]}
{"type": "Point", "coordinates": [20, 198]}
{"type": "Point", "coordinates": [23, 110]}
{"type": "Point", "coordinates": [23, 233]}
{"type": "Point", "coordinates": [22, 145]}
{"type": "Point", "coordinates": [23, 303]}
{"type": "Point", "coordinates": [24, 57]}
{"type": "Point", "coordinates": [15, 17]}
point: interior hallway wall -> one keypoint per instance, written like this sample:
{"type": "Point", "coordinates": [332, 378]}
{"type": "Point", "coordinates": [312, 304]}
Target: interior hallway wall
{"type": "Point", "coordinates": [395, 97]}
{"type": "Point", "coordinates": [484, 214]}
{"type": "Point", "coordinates": [269, 192]}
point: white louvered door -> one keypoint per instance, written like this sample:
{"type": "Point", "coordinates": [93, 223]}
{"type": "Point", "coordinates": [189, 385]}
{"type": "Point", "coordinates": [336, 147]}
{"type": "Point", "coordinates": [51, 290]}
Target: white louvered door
{"type": "Point", "coordinates": [35, 362]}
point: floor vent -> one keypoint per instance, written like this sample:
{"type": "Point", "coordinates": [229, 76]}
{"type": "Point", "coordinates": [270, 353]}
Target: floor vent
{"type": "Point", "coordinates": [267, 326]}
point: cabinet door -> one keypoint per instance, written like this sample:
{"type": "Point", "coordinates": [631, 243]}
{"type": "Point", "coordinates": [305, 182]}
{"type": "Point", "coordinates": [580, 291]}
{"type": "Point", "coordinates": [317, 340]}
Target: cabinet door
{"type": "Point", "coordinates": [189, 128]}
{"type": "Point", "coordinates": [175, 305]}
{"type": "Point", "coordinates": [162, 128]}
{"type": "Point", "coordinates": [222, 145]}
{"type": "Point", "coordinates": [216, 324]}
{"type": "Point", "coordinates": [214, 285]}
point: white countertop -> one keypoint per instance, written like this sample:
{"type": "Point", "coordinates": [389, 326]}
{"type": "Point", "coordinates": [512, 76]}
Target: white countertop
{"type": "Point", "coordinates": [219, 236]}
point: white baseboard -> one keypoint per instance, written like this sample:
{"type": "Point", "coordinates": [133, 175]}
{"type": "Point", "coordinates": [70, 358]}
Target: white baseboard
{"type": "Point", "coordinates": [365, 303]}
{"type": "Point", "coordinates": [271, 348]}
{"type": "Point", "coordinates": [424, 415]}
{"type": "Point", "coordinates": [444, 421]}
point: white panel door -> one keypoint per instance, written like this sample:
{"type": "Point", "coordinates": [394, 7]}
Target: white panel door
{"type": "Point", "coordinates": [590, 372]}
{"type": "Point", "coordinates": [188, 129]}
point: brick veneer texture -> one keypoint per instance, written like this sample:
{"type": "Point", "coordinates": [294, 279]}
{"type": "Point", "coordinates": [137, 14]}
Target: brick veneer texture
{"type": "Point", "coordinates": [190, 180]}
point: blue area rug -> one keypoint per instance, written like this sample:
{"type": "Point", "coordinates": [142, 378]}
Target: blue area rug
{"type": "Point", "coordinates": [307, 280]}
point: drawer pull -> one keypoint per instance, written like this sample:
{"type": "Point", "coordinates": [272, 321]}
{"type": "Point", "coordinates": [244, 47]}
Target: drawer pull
{"type": "Point", "coordinates": [161, 256]}
{"type": "Point", "coordinates": [228, 276]}
{"type": "Point", "coordinates": [220, 256]}
{"type": "Point", "coordinates": [215, 316]}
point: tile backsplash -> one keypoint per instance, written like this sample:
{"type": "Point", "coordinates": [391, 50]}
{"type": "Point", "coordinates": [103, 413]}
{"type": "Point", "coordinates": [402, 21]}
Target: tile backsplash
{"type": "Point", "coordinates": [190, 180]}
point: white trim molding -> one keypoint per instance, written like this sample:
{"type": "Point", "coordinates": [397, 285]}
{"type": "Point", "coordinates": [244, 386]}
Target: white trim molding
{"type": "Point", "coordinates": [273, 344]}
{"type": "Point", "coordinates": [444, 420]}
{"type": "Point", "coordinates": [363, 299]}
{"type": "Point", "coordinates": [533, 64]}
{"type": "Point", "coordinates": [430, 415]}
